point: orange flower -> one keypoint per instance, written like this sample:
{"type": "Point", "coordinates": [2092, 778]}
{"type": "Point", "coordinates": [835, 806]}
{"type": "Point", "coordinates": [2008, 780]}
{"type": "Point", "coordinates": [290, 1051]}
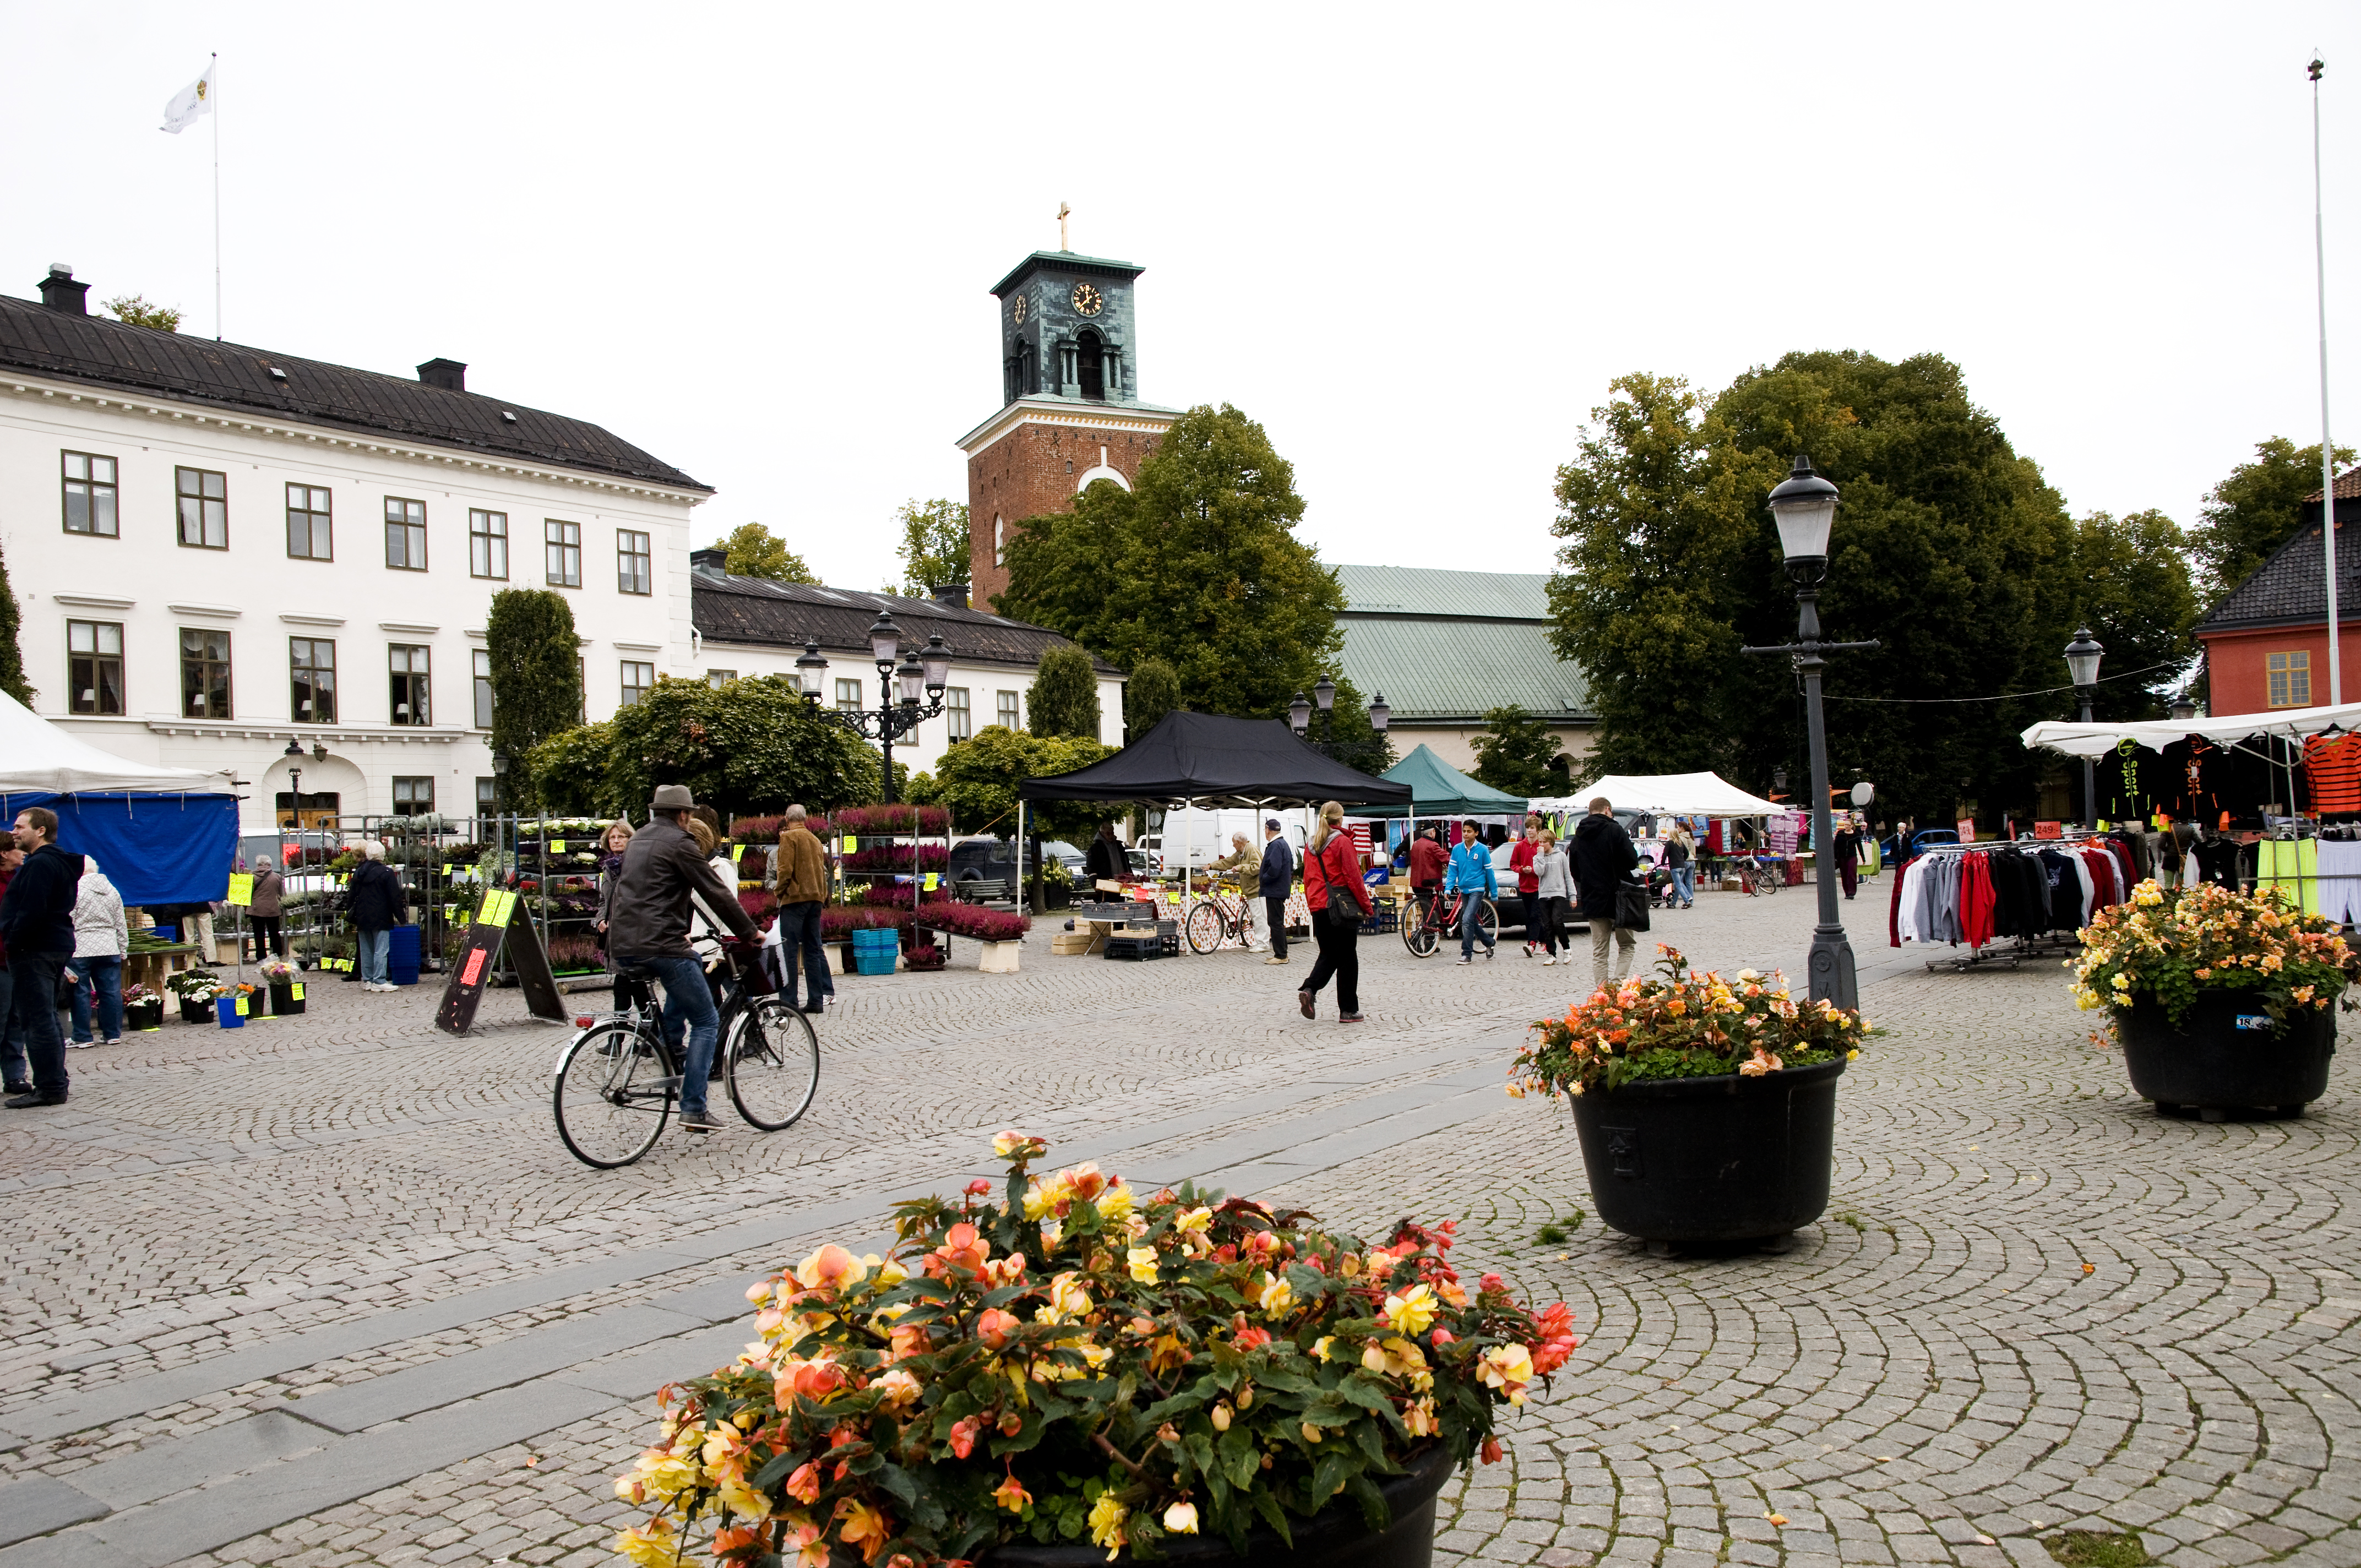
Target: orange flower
{"type": "Point", "coordinates": [1011, 1495]}
{"type": "Point", "coordinates": [864, 1527]}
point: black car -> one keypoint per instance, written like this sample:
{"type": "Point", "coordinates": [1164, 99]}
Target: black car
{"type": "Point", "coordinates": [994, 859]}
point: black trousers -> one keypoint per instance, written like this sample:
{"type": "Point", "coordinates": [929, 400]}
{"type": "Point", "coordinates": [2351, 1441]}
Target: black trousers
{"type": "Point", "coordinates": [1550, 913]}
{"type": "Point", "coordinates": [1339, 955]}
{"type": "Point", "coordinates": [1274, 914]}
{"type": "Point", "coordinates": [1534, 904]}
{"type": "Point", "coordinates": [268, 942]}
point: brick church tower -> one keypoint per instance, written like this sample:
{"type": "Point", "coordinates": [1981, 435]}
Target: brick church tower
{"type": "Point", "coordinates": [1070, 413]}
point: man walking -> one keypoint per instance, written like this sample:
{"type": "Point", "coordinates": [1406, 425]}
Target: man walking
{"type": "Point", "coordinates": [1271, 885]}
{"type": "Point", "coordinates": [649, 929]}
{"type": "Point", "coordinates": [802, 887]}
{"type": "Point", "coordinates": [37, 922]}
{"type": "Point", "coordinates": [1603, 858]}
{"type": "Point", "coordinates": [1470, 875]}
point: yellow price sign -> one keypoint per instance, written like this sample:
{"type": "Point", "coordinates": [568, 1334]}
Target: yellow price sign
{"type": "Point", "coordinates": [241, 888]}
{"type": "Point", "coordinates": [296, 990]}
{"type": "Point", "coordinates": [557, 846]}
{"type": "Point", "coordinates": [241, 1008]}
{"type": "Point", "coordinates": [851, 843]}
{"type": "Point", "coordinates": [930, 881]}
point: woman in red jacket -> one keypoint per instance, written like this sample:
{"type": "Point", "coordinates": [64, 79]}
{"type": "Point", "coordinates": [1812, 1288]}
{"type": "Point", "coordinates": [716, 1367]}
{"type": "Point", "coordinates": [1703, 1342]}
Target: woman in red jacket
{"type": "Point", "coordinates": [1339, 902]}
{"type": "Point", "coordinates": [1529, 884]}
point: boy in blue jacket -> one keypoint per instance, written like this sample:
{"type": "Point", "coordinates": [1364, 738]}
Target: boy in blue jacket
{"type": "Point", "coordinates": [1470, 872]}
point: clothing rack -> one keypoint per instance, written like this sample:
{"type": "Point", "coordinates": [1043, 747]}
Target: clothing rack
{"type": "Point", "coordinates": [2011, 951]}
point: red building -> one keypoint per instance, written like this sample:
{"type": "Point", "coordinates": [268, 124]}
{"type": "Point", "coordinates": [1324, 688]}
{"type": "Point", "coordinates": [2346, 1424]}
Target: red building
{"type": "Point", "coordinates": [2267, 642]}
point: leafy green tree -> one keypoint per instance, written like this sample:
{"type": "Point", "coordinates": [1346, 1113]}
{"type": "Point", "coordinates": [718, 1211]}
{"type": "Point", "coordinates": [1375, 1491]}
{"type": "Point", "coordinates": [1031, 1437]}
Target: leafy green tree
{"type": "Point", "coordinates": [934, 548]}
{"type": "Point", "coordinates": [2136, 597]}
{"type": "Point", "coordinates": [756, 552]}
{"type": "Point", "coordinates": [135, 310]}
{"type": "Point", "coordinates": [12, 659]}
{"type": "Point", "coordinates": [1516, 752]}
{"type": "Point", "coordinates": [2254, 511]}
{"type": "Point", "coordinates": [536, 672]}
{"type": "Point", "coordinates": [749, 747]}
{"type": "Point", "coordinates": [1064, 697]}
{"type": "Point", "coordinates": [1152, 691]}
{"type": "Point", "coordinates": [1197, 563]}
{"type": "Point", "coordinates": [977, 779]}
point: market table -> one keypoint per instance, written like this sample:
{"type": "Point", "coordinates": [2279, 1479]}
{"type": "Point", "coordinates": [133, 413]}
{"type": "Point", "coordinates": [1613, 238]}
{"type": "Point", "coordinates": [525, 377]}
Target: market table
{"type": "Point", "coordinates": [150, 966]}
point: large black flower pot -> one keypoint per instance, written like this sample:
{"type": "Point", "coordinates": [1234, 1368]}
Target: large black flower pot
{"type": "Point", "coordinates": [1334, 1537]}
{"type": "Point", "coordinates": [2212, 1063]}
{"type": "Point", "coordinates": [1712, 1159]}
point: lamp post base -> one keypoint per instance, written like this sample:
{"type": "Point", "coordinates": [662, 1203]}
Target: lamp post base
{"type": "Point", "coordinates": [1830, 969]}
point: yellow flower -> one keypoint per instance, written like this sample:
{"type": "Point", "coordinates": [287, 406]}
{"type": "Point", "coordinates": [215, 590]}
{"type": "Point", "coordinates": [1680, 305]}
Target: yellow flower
{"type": "Point", "coordinates": [1412, 1313]}
{"type": "Point", "coordinates": [667, 1475]}
{"type": "Point", "coordinates": [1319, 1347]}
{"type": "Point", "coordinates": [1195, 1220]}
{"type": "Point", "coordinates": [1277, 1298]}
{"type": "Point", "coordinates": [1114, 1203]}
{"type": "Point", "coordinates": [743, 1500]}
{"type": "Point", "coordinates": [1107, 1517]}
{"type": "Point", "coordinates": [1141, 1261]}
{"type": "Point", "coordinates": [651, 1546]}
{"type": "Point", "coordinates": [1008, 1144]}
{"type": "Point", "coordinates": [1508, 1368]}
{"type": "Point", "coordinates": [1067, 1300]}
{"type": "Point", "coordinates": [1180, 1519]}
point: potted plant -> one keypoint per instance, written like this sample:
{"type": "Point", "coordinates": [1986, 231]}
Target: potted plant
{"type": "Point", "coordinates": [286, 988]}
{"type": "Point", "coordinates": [195, 990]}
{"type": "Point", "coordinates": [1084, 1374]}
{"type": "Point", "coordinates": [2223, 1001]}
{"type": "Point", "coordinates": [1057, 886]}
{"type": "Point", "coordinates": [142, 1009]}
{"type": "Point", "coordinates": [1000, 932]}
{"type": "Point", "coordinates": [1706, 1106]}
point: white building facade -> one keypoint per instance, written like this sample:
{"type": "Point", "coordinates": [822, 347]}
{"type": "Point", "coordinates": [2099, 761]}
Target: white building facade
{"type": "Point", "coordinates": [219, 551]}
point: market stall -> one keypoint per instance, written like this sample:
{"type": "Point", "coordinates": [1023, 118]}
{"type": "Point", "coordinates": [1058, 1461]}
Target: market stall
{"type": "Point", "coordinates": [1438, 789]}
{"type": "Point", "coordinates": [1677, 795]}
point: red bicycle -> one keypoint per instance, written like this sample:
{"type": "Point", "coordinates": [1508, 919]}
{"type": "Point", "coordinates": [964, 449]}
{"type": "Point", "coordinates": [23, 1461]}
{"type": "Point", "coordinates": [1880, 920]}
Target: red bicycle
{"type": "Point", "coordinates": [1429, 921]}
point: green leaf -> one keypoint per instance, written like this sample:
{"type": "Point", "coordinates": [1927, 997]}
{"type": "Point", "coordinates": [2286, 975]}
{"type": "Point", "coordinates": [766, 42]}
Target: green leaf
{"type": "Point", "coordinates": [1275, 1516]}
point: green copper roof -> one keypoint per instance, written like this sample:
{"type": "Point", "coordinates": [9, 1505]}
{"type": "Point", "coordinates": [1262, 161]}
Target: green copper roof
{"type": "Point", "coordinates": [1096, 266]}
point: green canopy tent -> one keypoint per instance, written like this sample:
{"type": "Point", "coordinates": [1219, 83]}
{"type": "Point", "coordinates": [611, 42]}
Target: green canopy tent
{"type": "Point", "coordinates": [1438, 789]}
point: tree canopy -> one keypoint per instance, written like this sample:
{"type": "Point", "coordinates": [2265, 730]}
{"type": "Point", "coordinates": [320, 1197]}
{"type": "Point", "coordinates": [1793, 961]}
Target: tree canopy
{"type": "Point", "coordinates": [1064, 697]}
{"type": "Point", "coordinates": [977, 779]}
{"type": "Point", "coordinates": [756, 552]}
{"type": "Point", "coordinates": [1152, 691]}
{"type": "Point", "coordinates": [1514, 753]}
{"type": "Point", "coordinates": [536, 675]}
{"type": "Point", "coordinates": [933, 549]}
{"type": "Point", "coordinates": [134, 309]}
{"type": "Point", "coordinates": [12, 659]}
{"type": "Point", "coordinates": [2254, 511]}
{"type": "Point", "coordinates": [1197, 563]}
{"type": "Point", "coordinates": [751, 746]}
{"type": "Point", "coordinates": [1949, 549]}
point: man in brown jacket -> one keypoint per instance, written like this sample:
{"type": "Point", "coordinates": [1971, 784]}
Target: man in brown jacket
{"type": "Point", "coordinates": [801, 886]}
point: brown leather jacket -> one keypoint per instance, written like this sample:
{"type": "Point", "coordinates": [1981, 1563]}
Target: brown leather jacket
{"type": "Point", "coordinates": [802, 870]}
{"type": "Point", "coordinates": [647, 904]}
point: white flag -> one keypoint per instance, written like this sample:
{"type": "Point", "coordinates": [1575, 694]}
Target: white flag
{"type": "Point", "coordinates": [195, 99]}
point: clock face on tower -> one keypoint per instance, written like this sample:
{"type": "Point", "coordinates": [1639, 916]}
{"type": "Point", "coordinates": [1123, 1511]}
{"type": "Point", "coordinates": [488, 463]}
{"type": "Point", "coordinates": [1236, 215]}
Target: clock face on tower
{"type": "Point", "coordinates": [1017, 315]}
{"type": "Point", "coordinates": [1086, 300]}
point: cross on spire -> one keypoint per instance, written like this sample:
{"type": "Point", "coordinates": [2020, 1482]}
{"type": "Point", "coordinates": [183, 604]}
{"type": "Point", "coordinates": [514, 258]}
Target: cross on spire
{"type": "Point", "coordinates": [1062, 242]}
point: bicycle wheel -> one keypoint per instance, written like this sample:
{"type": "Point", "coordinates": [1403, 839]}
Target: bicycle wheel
{"type": "Point", "coordinates": [611, 1099]}
{"type": "Point", "coordinates": [774, 1068]}
{"type": "Point", "coordinates": [1205, 927]}
{"type": "Point", "coordinates": [1488, 920]}
{"type": "Point", "coordinates": [1418, 936]}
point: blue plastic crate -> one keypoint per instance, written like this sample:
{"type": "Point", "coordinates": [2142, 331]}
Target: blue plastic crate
{"type": "Point", "coordinates": [872, 963]}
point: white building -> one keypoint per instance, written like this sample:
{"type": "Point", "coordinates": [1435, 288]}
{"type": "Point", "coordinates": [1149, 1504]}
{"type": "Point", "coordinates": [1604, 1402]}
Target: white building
{"type": "Point", "coordinates": [219, 550]}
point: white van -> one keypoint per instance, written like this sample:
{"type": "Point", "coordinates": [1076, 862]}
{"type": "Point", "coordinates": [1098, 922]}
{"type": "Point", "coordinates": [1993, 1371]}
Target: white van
{"type": "Point", "coordinates": [1193, 839]}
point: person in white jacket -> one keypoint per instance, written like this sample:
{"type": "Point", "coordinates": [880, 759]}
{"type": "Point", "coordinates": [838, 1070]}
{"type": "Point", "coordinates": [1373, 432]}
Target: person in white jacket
{"type": "Point", "coordinates": [102, 937]}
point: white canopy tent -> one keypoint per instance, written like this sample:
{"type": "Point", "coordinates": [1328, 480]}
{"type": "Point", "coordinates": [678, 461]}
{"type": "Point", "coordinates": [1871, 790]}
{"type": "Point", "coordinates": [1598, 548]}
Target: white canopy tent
{"type": "Point", "coordinates": [1683, 795]}
{"type": "Point", "coordinates": [2097, 738]}
{"type": "Point", "coordinates": [37, 757]}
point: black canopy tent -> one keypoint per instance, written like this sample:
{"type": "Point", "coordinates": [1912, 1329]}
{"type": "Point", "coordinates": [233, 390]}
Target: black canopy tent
{"type": "Point", "coordinates": [1208, 759]}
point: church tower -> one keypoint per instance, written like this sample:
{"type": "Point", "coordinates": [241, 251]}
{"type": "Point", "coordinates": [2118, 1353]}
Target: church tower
{"type": "Point", "coordinates": [1070, 413]}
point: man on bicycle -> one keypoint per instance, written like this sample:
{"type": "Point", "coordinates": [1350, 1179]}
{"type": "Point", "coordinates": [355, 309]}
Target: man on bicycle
{"type": "Point", "coordinates": [649, 928]}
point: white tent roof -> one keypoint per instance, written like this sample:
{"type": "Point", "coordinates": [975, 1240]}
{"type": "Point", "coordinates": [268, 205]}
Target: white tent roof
{"type": "Point", "coordinates": [1687, 795]}
{"type": "Point", "coordinates": [34, 754]}
{"type": "Point", "coordinates": [2098, 739]}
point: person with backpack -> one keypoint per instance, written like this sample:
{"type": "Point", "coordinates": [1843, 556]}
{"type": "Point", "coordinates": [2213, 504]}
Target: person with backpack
{"type": "Point", "coordinates": [1469, 874]}
{"type": "Point", "coordinates": [1339, 902]}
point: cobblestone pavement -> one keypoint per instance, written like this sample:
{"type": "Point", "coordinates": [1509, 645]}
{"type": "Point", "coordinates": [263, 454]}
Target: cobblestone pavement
{"type": "Point", "coordinates": [328, 1291]}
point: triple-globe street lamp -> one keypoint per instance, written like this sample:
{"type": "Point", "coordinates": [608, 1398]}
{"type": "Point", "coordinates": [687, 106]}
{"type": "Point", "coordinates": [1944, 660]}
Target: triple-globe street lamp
{"type": "Point", "coordinates": [1299, 719]}
{"type": "Point", "coordinates": [922, 674]}
{"type": "Point", "coordinates": [2082, 667]}
{"type": "Point", "coordinates": [1805, 507]}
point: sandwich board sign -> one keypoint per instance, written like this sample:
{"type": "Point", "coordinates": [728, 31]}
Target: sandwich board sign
{"type": "Point", "coordinates": [500, 923]}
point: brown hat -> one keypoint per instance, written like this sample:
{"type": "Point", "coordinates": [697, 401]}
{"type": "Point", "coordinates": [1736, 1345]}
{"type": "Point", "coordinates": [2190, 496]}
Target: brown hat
{"type": "Point", "coordinates": [672, 797]}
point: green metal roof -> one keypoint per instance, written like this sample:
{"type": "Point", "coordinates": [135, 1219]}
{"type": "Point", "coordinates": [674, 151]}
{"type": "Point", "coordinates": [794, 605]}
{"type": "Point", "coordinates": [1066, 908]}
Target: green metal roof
{"type": "Point", "coordinates": [1457, 669]}
{"type": "Point", "coordinates": [1428, 590]}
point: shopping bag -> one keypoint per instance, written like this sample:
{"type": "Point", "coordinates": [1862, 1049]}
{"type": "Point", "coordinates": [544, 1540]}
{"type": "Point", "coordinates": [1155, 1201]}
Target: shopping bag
{"type": "Point", "coordinates": [1630, 907]}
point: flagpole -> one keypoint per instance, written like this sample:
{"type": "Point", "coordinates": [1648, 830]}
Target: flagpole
{"type": "Point", "coordinates": [216, 74]}
{"type": "Point", "coordinates": [2327, 451]}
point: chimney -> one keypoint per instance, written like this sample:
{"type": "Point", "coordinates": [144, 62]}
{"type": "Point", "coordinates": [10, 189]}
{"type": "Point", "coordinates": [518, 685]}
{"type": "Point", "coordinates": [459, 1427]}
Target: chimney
{"type": "Point", "coordinates": [952, 593]}
{"type": "Point", "coordinates": [61, 293]}
{"type": "Point", "coordinates": [448, 374]}
{"type": "Point", "coordinates": [713, 562]}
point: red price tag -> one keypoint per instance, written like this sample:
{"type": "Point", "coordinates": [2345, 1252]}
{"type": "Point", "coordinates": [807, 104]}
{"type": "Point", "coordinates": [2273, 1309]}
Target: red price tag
{"type": "Point", "coordinates": [475, 968]}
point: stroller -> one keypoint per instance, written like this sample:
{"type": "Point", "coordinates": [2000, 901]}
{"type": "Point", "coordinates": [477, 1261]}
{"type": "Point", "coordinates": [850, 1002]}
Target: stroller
{"type": "Point", "coordinates": [1662, 892]}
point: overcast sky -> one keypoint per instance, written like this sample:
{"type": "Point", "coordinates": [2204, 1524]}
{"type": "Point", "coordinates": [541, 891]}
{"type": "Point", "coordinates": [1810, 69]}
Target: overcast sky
{"type": "Point", "coordinates": [1415, 243]}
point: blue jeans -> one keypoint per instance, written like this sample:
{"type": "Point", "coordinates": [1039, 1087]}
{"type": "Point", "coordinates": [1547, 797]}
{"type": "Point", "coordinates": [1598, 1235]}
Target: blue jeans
{"type": "Point", "coordinates": [1685, 881]}
{"type": "Point", "coordinates": [13, 1069]}
{"type": "Point", "coordinates": [103, 977]}
{"type": "Point", "coordinates": [35, 1006]}
{"type": "Point", "coordinates": [375, 946]}
{"type": "Point", "coordinates": [688, 999]}
{"type": "Point", "coordinates": [1471, 918]}
{"type": "Point", "coordinates": [799, 937]}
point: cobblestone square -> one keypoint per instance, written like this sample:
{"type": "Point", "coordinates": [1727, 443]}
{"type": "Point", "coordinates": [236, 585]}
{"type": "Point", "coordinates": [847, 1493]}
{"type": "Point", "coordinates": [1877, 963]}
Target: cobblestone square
{"type": "Point", "coordinates": [328, 1291]}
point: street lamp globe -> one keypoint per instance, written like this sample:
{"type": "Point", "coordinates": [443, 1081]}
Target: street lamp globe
{"type": "Point", "coordinates": [912, 676]}
{"type": "Point", "coordinates": [1299, 714]}
{"type": "Point", "coordinates": [884, 641]}
{"type": "Point", "coordinates": [937, 660]}
{"type": "Point", "coordinates": [1779, 779]}
{"type": "Point", "coordinates": [1325, 693]}
{"type": "Point", "coordinates": [2083, 658]}
{"type": "Point", "coordinates": [811, 668]}
{"type": "Point", "coordinates": [294, 748]}
{"type": "Point", "coordinates": [1380, 713]}
{"type": "Point", "coordinates": [1805, 507]}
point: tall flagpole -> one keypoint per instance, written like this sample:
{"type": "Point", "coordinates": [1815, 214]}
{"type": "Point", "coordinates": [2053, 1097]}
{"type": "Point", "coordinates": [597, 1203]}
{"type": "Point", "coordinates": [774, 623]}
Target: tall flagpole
{"type": "Point", "coordinates": [2327, 451]}
{"type": "Point", "coordinates": [216, 74]}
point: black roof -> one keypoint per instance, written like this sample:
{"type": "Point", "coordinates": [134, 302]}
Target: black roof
{"type": "Point", "coordinates": [100, 352]}
{"type": "Point", "coordinates": [1067, 261]}
{"type": "Point", "coordinates": [1215, 759]}
{"type": "Point", "coordinates": [726, 608]}
{"type": "Point", "coordinates": [2290, 588]}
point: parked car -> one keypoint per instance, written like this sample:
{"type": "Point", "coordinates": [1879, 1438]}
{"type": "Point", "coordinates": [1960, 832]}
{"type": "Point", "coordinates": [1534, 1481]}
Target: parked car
{"type": "Point", "coordinates": [994, 859]}
{"type": "Point", "coordinates": [287, 847]}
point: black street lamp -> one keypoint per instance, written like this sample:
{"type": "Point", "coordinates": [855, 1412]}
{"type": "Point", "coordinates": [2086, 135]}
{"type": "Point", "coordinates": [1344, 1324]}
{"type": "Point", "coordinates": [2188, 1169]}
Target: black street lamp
{"type": "Point", "coordinates": [1805, 507]}
{"type": "Point", "coordinates": [2082, 667]}
{"type": "Point", "coordinates": [1299, 719]}
{"type": "Point", "coordinates": [294, 782]}
{"type": "Point", "coordinates": [917, 676]}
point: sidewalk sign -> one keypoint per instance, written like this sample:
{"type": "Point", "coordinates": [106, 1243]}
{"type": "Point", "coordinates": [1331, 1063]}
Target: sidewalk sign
{"type": "Point", "coordinates": [501, 923]}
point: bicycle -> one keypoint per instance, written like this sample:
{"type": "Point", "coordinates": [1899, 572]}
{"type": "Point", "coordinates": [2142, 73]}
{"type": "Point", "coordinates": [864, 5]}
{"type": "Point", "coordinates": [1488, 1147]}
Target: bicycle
{"type": "Point", "coordinates": [1762, 874]}
{"type": "Point", "coordinates": [617, 1079]}
{"type": "Point", "coordinates": [1429, 922]}
{"type": "Point", "coordinates": [1213, 919]}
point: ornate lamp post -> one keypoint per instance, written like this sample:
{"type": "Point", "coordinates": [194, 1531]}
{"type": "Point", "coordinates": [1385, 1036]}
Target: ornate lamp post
{"type": "Point", "coordinates": [1299, 719]}
{"type": "Point", "coordinates": [2082, 665]}
{"type": "Point", "coordinates": [920, 675]}
{"type": "Point", "coordinates": [294, 782]}
{"type": "Point", "coordinates": [1805, 507]}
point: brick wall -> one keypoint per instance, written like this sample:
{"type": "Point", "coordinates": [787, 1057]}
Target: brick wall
{"type": "Point", "coordinates": [1030, 472]}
